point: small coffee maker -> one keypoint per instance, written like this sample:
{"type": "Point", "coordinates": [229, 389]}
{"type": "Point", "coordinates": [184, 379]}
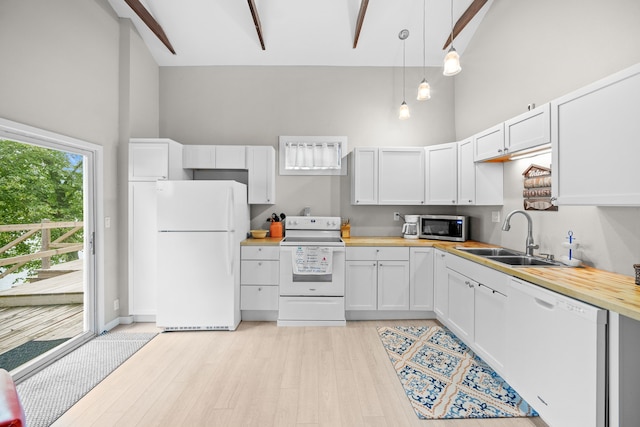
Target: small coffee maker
{"type": "Point", "coordinates": [410, 226]}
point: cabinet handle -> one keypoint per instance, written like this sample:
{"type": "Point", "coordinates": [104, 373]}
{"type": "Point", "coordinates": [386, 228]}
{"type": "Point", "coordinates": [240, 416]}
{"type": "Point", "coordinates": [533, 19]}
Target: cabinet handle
{"type": "Point", "coordinates": [506, 150]}
{"type": "Point", "coordinates": [453, 201]}
{"type": "Point", "coordinates": [259, 249]}
{"type": "Point", "coordinates": [470, 201]}
{"type": "Point", "coordinates": [259, 289]}
{"type": "Point", "coordinates": [259, 264]}
{"type": "Point", "coordinates": [499, 150]}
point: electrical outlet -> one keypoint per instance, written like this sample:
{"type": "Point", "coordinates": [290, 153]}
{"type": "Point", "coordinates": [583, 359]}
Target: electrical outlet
{"type": "Point", "coordinates": [495, 216]}
{"type": "Point", "coordinates": [396, 216]}
{"type": "Point", "coordinates": [116, 304]}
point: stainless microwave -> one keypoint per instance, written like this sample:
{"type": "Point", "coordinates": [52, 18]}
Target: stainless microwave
{"type": "Point", "coordinates": [444, 227]}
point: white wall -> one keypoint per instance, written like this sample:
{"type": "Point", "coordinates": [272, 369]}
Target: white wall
{"type": "Point", "coordinates": [532, 52]}
{"type": "Point", "coordinates": [254, 105]}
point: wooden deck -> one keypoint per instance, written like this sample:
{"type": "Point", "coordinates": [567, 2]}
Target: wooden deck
{"type": "Point", "coordinates": [48, 309]}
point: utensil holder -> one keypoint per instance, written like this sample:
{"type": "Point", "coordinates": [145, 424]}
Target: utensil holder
{"type": "Point", "coordinates": [275, 229]}
{"type": "Point", "coordinates": [346, 230]}
{"type": "Point", "coordinates": [637, 267]}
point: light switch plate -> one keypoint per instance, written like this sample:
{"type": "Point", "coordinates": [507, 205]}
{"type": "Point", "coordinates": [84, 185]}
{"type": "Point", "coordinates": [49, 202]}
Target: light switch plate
{"type": "Point", "coordinates": [495, 216]}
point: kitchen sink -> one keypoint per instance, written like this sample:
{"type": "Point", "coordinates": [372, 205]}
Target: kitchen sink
{"type": "Point", "coordinates": [490, 251]}
{"type": "Point", "coordinates": [524, 261]}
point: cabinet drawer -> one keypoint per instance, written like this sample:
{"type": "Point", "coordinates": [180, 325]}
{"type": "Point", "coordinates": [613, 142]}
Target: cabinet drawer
{"type": "Point", "coordinates": [256, 272]}
{"type": "Point", "coordinates": [261, 252]}
{"type": "Point", "coordinates": [259, 297]}
{"type": "Point", "coordinates": [368, 253]}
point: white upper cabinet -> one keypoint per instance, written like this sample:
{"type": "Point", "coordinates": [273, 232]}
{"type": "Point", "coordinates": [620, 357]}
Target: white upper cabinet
{"type": "Point", "coordinates": [401, 176]}
{"type": "Point", "coordinates": [528, 130]}
{"type": "Point", "coordinates": [261, 163]}
{"type": "Point", "coordinates": [214, 157]}
{"type": "Point", "coordinates": [199, 157]}
{"type": "Point", "coordinates": [364, 176]}
{"type": "Point", "coordinates": [489, 143]}
{"type": "Point", "coordinates": [151, 159]}
{"type": "Point", "coordinates": [230, 157]}
{"type": "Point", "coordinates": [478, 183]}
{"type": "Point", "coordinates": [466, 173]}
{"type": "Point", "coordinates": [595, 144]}
{"type": "Point", "coordinates": [441, 173]}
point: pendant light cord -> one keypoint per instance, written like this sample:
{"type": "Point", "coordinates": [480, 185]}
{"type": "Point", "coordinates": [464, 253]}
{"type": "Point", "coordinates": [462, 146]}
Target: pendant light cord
{"type": "Point", "coordinates": [451, 23]}
{"type": "Point", "coordinates": [424, 39]}
{"type": "Point", "coordinates": [404, 43]}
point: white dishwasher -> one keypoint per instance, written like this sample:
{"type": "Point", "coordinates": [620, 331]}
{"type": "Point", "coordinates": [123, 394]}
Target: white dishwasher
{"type": "Point", "coordinates": [556, 355]}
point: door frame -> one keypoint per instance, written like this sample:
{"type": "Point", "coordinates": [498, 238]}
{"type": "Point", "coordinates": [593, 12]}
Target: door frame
{"type": "Point", "coordinates": [93, 165]}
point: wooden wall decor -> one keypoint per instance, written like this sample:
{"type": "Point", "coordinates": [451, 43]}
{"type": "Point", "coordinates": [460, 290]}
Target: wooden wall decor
{"type": "Point", "coordinates": [537, 189]}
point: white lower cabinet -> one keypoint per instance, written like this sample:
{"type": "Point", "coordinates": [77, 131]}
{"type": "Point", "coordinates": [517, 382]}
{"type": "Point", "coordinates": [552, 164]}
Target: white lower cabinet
{"type": "Point", "coordinates": [440, 285]}
{"type": "Point", "coordinates": [461, 305]}
{"type": "Point", "coordinates": [490, 331]}
{"type": "Point", "coordinates": [556, 355]}
{"type": "Point", "coordinates": [477, 301]}
{"type": "Point", "coordinates": [361, 291]}
{"type": "Point", "coordinates": [393, 285]}
{"type": "Point", "coordinates": [259, 275]}
{"type": "Point", "coordinates": [421, 278]}
{"type": "Point", "coordinates": [377, 278]}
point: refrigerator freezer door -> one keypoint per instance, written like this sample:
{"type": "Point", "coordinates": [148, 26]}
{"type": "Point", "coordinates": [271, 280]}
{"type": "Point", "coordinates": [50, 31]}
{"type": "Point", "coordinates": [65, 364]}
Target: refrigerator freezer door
{"type": "Point", "coordinates": [197, 284]}
{"type": "Point", "coordinates": [196, 205]}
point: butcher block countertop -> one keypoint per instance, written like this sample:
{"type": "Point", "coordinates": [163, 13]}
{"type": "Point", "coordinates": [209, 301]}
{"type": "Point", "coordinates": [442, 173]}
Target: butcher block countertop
{"type": "Point", "coordinates": [604, 289]}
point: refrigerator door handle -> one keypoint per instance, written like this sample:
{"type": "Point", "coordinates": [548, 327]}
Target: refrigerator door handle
{"type": "Point", "coordinates": [230, 252]}
{"type": "Point", "coordinates": [230, 210]}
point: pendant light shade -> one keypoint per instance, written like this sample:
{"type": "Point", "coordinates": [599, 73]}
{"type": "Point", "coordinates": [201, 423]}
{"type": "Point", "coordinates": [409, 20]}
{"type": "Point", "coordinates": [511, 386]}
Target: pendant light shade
{"type": "Point", "coordinates": [404, 108]}
{"type": "Point", "coordinates": [451, 59]}
{"type": "Point", "coordinates": [424, 89]}
{"type": "Point", "coordinates": [404, 111]}
{"type": "Point", "coordinates": [452, 63]}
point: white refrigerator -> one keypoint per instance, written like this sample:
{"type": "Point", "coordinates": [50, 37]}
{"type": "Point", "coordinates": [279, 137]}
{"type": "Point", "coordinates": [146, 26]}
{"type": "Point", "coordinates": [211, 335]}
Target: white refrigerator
{"type": "Point", "coordinates": [200, 227]}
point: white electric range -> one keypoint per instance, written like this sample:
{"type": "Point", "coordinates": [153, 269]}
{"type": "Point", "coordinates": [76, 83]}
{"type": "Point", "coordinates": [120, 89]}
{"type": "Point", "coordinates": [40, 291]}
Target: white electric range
{"type": "Point", "coordinates": [312, 273]}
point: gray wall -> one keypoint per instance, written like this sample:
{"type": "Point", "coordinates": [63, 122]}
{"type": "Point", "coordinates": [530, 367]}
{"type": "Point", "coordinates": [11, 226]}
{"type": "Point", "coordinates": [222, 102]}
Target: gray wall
{"type": "Point", "coordinates": [60, 73]}
{"type": "Point", "coordinates": [254, 105]}
{"type": "Point", "coordinates": [69, 67]}
{"type": "Point", "coordinates": [533, 52]}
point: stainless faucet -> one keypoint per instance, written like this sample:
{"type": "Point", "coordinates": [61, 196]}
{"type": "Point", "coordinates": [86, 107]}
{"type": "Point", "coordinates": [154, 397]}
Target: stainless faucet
{"type": "Point", "coordinates": [530, 246]}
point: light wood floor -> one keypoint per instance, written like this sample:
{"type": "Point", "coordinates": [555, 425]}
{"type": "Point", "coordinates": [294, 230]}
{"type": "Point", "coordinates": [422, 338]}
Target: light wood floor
{"type": "Point", "coordinates": [260, 375]}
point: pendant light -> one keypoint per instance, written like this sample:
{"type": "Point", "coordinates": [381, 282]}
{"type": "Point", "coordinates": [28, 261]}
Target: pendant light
{"type": "Point", "coordinates": [404, 108]}
{"type": "Point", "coordinates": [452, 59]}
{"type": "Point", "coordinates": [424, 90]}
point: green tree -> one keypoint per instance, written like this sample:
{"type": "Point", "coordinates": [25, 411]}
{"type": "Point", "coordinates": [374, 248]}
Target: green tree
{"type": "Point", "coordinates": [38, 183]}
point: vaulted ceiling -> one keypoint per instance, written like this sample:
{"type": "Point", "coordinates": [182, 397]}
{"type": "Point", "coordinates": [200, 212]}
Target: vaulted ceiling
{"type": "Point", "coordinates": [301, 32]}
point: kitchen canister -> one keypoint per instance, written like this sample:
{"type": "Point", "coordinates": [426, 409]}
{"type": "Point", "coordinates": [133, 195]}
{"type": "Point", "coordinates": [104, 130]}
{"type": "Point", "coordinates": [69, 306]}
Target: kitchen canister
{"type": "Point", "coordinates": [275, 229]}
{"type": "Point", "coordinates": [637, 267]}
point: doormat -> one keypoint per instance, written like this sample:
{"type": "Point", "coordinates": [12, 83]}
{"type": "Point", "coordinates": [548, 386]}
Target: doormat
{"type": "Point", "coordinates": [443, 378]}
{"type": "Point", "coordinates": [51, 392]}
{"type": "Point", "coordinates": [23, 353]}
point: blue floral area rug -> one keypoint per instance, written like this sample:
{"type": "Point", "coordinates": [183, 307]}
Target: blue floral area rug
{"type": "Point", "coordinates": [443, 378]}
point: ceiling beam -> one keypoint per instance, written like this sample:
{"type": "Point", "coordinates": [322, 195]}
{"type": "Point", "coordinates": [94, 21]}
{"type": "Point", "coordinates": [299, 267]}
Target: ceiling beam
{"type": "Point", "coordinates": [466, 17]}
{"type": "Point", "coordinates": [256, 21]}
{"type": "Point", "coordinates": [363, 11]}
{"type": "Point", "coordinates": [150, 21]}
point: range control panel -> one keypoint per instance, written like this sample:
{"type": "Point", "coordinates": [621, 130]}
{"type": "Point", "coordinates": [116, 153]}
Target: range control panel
{"type": "Point", "coordinates": [312, 223]}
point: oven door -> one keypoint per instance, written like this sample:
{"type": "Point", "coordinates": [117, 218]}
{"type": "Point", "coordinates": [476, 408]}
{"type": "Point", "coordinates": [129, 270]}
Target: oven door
{"type": "Point", "coordinates": [307, 270]}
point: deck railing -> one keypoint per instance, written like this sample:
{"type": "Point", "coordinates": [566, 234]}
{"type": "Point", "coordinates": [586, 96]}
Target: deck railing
{"type": "Point", "coordinates": [48, 248]}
